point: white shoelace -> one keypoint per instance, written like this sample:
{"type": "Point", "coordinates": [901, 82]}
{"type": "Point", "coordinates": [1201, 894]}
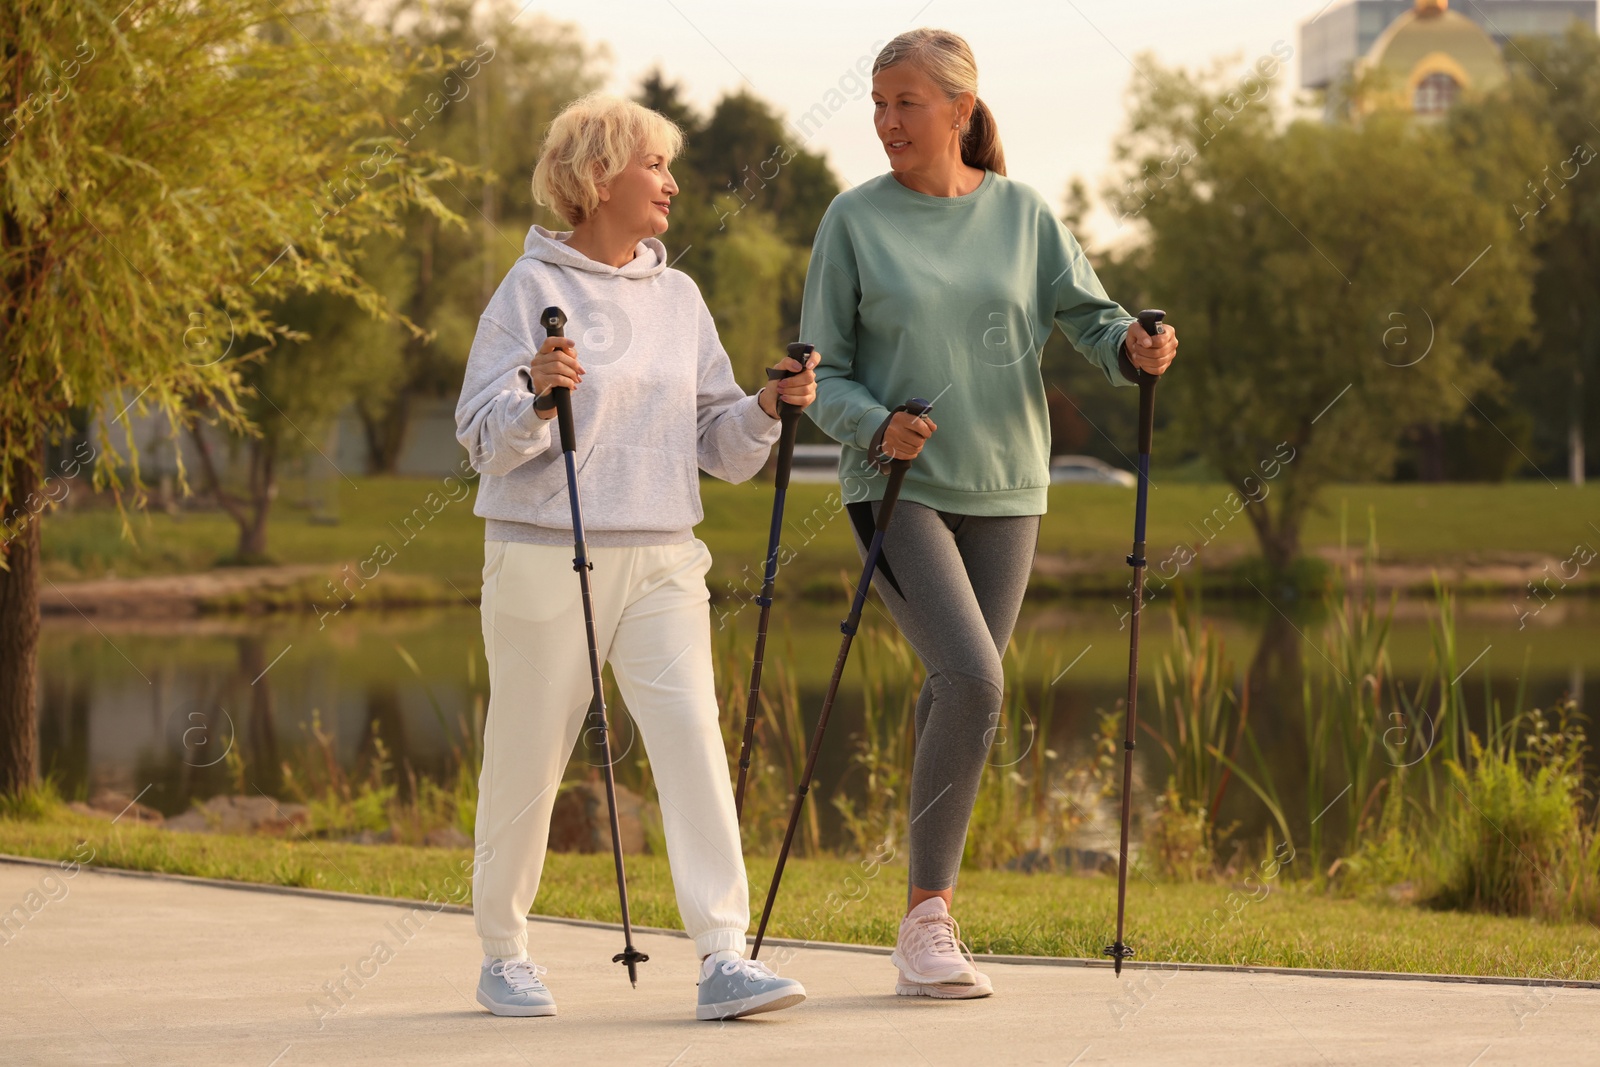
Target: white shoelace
{"type": "Point", "coordinates": [522, 976]}
{"type": "Point", "coordinates": [941, 935]}
{"type": "Point", "coordinates": [752, 969]}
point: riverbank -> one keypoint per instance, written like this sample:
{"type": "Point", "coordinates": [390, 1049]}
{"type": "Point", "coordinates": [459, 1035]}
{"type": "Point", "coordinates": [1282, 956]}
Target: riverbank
{"type": "Point", "coordinates": [389, 550]}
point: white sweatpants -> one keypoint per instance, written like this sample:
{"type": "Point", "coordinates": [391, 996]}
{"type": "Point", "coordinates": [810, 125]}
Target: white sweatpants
{"type": "Point", "coordinates": [653, 625]}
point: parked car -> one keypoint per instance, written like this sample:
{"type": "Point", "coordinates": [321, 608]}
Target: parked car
{"type": "Point", "coordinates": [1089, 470]}
{"type": "Point", "coordinates": [815, 463]}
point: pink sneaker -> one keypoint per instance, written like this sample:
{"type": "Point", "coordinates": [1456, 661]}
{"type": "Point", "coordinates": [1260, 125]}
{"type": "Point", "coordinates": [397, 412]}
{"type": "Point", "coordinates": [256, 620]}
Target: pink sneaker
{"type": "Point", "coordinates": [943, 991]}
{"type": "Point", "coordinates": [931, 958]}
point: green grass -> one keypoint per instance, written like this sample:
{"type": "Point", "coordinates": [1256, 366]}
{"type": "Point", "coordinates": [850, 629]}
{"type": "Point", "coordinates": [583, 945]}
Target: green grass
{"type": "Point", "coordinates": [838, 900]}
{"type": "Point", "coordinates": [1090, 524]}
{"type": "Point", "coordinates": [1416, 522]}
{"type": "Point", "coordinates": [86, 543]}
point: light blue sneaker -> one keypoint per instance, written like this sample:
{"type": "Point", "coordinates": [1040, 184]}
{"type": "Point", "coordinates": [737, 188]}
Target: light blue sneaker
{"type": "Point", "coordinates": [732, 989]}
{"type": "Point", "coordinates": [512, 987]}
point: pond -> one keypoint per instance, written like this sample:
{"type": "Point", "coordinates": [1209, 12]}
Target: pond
{"type": "Point", "coordinates": [153, 707]}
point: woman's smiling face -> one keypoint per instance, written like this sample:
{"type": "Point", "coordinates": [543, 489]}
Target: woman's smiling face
{"type": "Point", "coordinates": [640, 198]}
{"type": "Point", "coordinates": [915, 121]}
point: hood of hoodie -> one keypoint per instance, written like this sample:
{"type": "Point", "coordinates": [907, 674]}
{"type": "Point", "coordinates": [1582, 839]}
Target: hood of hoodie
{"type": "Point", "coordinates": [650, 255]}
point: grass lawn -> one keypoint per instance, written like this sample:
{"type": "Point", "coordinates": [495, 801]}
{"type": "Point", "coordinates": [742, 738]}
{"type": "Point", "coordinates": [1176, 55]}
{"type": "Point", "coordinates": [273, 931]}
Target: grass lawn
{"type": "Point", "coordinates": [1470, 523]}
{"type": "Point", "coordinates": [1273, 923]}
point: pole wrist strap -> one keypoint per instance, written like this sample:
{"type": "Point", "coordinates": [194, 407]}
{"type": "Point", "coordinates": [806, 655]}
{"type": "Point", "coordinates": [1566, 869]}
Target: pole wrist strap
{"type": "Point", "coordinates": [875, 454]}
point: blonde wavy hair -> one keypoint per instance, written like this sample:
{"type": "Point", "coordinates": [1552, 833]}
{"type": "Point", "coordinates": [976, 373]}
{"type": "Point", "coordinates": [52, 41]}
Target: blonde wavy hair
{"type": "Point", "coordinates": [592, 141]}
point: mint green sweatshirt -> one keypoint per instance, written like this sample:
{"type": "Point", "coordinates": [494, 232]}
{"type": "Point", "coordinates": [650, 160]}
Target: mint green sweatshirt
{"type": "Point", "coordinates": [951, 299]}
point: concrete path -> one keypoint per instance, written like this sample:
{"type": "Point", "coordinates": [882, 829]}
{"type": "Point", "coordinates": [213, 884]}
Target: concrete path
{"type": "Point", "coordinates": [111, 969]}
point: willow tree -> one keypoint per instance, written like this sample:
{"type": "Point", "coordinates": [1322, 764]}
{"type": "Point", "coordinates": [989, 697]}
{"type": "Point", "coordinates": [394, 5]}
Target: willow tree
{"type": "Point", "coordinates": [173, 171]}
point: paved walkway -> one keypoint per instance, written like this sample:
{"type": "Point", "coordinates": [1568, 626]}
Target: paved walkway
{"type": "Point", "coordinates": [110, 969]}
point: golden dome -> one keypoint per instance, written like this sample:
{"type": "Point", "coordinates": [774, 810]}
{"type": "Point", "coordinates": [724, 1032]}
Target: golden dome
{"type": "Point", "coordinates": [1434, 54]}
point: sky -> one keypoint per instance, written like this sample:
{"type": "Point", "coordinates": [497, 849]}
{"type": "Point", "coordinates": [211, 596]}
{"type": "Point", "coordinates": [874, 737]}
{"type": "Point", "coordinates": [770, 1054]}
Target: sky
{"type": "Point", "coordinates": [1054, 73]}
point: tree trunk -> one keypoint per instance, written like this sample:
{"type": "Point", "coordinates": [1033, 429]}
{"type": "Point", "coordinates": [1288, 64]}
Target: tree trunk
{"type": "Point", "coordinates": [263, 488]}
{"type": "Point", "coordinates": [1430, 453]}
{"type": "Point", "coordinates": [1575, 457]}
{"type": "Point", "coordinates": [250, 513]}
{"type": "Point", "coordinates": [1280, 539]}
{"type": "Point", "coordinates": [385, 430]}
{"type": "Point", "coordinates": [1281, 546]}
{"type": "Point", "coordinates": [385, 425]}
{"type": "Point", "coordinates": [19, 630]}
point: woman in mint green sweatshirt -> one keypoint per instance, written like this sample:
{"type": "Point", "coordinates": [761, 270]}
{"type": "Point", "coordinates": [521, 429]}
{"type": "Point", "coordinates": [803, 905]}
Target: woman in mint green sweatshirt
{"type": "Point", "coordinates": [943, 279]}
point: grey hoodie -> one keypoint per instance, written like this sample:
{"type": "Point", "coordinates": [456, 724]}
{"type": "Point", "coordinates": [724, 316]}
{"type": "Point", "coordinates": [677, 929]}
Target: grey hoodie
{"type": "Point", "coordinates": [658, 401]}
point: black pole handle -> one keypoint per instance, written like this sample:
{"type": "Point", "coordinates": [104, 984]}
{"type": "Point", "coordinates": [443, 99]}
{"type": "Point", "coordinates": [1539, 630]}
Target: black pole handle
{"type": "Point", "coordinates": [1150, 320]}
{"type": "Point", "coordinates": [554, 321]}
{"type": "Point", "coordinates": [915, 407]}
{"type": "Point", "coordinates": [800, 351]}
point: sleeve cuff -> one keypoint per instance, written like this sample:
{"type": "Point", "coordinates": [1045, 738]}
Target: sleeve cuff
{"type": "Point", "coordinates": [521, 417]}
{"type": "Point", "coordinates": [1130, 373]}
{"type": "Point", "coordinates": [867, 427]}
{"type": "Point", "coordinates": [757, 424]}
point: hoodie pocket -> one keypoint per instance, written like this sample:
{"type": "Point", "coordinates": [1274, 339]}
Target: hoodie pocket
{"type": "Point", "coordinates": [628, 487]}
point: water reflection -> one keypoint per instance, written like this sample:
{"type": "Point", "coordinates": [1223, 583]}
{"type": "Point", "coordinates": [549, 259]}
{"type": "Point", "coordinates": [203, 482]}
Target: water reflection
{"type": "Point", "coordinates": [183, 710]}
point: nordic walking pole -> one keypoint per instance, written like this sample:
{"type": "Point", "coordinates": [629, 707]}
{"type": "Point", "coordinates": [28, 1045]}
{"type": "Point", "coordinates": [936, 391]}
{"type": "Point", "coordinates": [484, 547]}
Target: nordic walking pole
{"type": "Point", "coordinates": [554, 323]}
{"type": "Point", "coordinates": [891, 493]}
{"type": "Point", "coordinates": [801, 354]}
{"type": "Point", "coordinates": [1151, 322]}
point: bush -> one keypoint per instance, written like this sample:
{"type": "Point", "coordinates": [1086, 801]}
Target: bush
{"type": "Point", "coordinates": [1517, 844]}
{"type": "Point", "coordinates": [1177, 840]}
{"type": "Point", "coordinates": [1390, 860]}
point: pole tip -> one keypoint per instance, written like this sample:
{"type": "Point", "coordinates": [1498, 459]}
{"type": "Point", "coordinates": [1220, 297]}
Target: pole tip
{"type": "Point", "coordinates": [630, 958]}
{"type": "Point", "coordinates": [1118, 952]}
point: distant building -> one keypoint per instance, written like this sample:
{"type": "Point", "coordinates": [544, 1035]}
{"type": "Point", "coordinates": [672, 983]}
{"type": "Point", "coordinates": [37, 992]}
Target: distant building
{"type": "Point", "coordinates": [1434, 53]}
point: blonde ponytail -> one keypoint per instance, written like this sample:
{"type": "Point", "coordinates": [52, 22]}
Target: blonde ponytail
{"type": "Point", "coordinates": [980, 142]}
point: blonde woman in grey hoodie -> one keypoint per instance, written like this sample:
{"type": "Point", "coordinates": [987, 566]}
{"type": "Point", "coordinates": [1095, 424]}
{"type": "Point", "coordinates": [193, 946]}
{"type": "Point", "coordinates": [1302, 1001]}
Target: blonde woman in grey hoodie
{"type": "Point", "coordinates": [655, 402]}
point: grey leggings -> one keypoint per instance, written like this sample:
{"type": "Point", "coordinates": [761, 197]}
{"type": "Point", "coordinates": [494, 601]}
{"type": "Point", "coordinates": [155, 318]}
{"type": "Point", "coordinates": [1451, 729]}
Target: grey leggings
{"type": "Point", "coordinates": [954, 585]}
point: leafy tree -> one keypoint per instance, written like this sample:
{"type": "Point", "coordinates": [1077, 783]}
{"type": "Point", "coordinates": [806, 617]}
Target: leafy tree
{"type": "Point", "coordinates": [1088, 415]}
{"type": "Point", "coordinates": [743, 224]}
{"type": "Point", "coordinates": [1295, 262]}
{"type": "Point", "coordinates": [659, 94]}
{"type": "Point", "coordinates": [499, 74]}
{"type": "Point", "coordinates": [752, 272]}
{"type": "Point", "coordinates": [158, 183]}
{"type": "Point", "coordinates": [330, 355]}
{"type": "Point", "coordinates": [744, 156]}
{"type": "Point", "coordinates": [1554, 377]}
